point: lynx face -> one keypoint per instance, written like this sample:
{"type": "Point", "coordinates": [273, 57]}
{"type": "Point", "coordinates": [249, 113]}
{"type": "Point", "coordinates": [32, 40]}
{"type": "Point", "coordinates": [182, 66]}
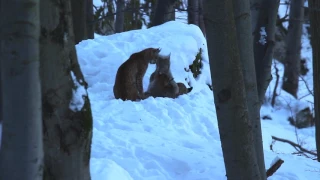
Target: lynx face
{"type": "Point", "coordinates": [163, 64]}
{"type": "Point", "coordinates": [152, 55]}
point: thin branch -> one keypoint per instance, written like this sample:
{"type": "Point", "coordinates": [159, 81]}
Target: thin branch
{"type": "Point", "coordinates": [296, 146]}
{"type": "Point", "coordinates": [274, 167]}
{"type": "Point", "coordinates": [305, 82]}
{"type": "Point", "coordinates": [276, 85]}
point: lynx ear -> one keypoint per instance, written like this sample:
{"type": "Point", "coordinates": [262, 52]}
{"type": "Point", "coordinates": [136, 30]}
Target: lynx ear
{"type": "Point", "coordinates": [167, 56]}
{"type": "Point", "coordinates": [158, 50]}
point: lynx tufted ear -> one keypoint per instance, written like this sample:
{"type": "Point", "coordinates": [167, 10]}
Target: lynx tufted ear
{"type": "Point", "coordinates": [158, 50]}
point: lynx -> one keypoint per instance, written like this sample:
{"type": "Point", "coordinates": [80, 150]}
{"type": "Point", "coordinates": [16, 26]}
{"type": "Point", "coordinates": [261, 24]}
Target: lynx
{"type": "Point", "coordinates": [128, 83]}
{"type": "Point", "coordinates": [162, 83]}
{"type": "Point", "coordinates": [162, 87]}
{"type": "Point", "coordinates": [183, 89]}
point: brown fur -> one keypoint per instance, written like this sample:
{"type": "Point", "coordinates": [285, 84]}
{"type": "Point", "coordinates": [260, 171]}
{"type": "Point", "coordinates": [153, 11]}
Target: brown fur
{"type": "Point", "coordinates": [128, 83]}
{"type": "Point", "coordinates": [162, 83]}
{"type": "Point", "coordinates": [183, 89]}
{"type": "Point", "coordinates": [163, 88]}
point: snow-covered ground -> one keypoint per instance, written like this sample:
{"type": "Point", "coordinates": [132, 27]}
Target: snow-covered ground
{"type": "Point", "coordinates": [178, 139]}
{"type": "Point", "coordinates": [172, 139]}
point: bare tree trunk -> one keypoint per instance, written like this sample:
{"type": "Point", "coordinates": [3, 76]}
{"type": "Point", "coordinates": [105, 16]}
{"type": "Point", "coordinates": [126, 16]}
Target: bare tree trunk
{"type": "Point", "coordinates": [79, 17]}
{"type": "Point", "coordinates": [119, 22]}
{"type": "Point", "coordinates": [242, 18]}
{"type": "Point", "coordinates": [263, 43]}
{"type": "Point", "coordinates": [67, 119]}
{"type": "Point", "coordinates": [255, 7]}
{"type": "Point", "coordinates": [201, 20]}
{"type": "Point", "coordinates": [293, 41]}
{"type": "Point", "coordinates": [193, 12]}
{"type": "Point", "coordinates": [90, 19]}
{"type": "Point", "coordinates": [21, 152]}
{"type": "Point", "coordinates": [315, 42]}
{"type": "Point", "coordinates": [229, 91]}
{"type": "Point", "coordinates": [164, 12]}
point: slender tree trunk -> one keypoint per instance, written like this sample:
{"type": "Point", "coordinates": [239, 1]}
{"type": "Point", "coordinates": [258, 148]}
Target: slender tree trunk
{"type": "Point", "coordinates": [293, 41]}
{"type": "Point", "coordinates": [193, 12]}
{"type": "Point", "coordinates": [21, 155]}
{"type": "Point", "coordinates": [229, 92]}
{"type": "Point", "coordinates": [314, 5]}
{"type": "Point", "coordinates": [263, 44]}
{"type": "Point", "coordinates": [90, 19]}
{"type": "Point", "coordinates": [201, 20]}
{"type": "Point", "coordinates": [119, 22]}
{"type": "Point", "coordinates": [164, 12]}
{"type": "Point", "coordinates": [79, 17]}
{"type": "Point", "coordinates": [67, 119]}
{"type": "Point", "coordinates": [242, 18]}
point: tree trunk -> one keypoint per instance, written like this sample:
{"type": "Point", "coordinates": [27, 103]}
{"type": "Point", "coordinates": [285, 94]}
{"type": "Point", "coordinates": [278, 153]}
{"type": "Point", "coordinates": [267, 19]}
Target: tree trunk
{"type": "Point", "coordinates": [90, 19]}
{"type": "Point", "coordinates": [67, 119]}
{"type": "Point", "coordinates": [293, 41]}
{"type": "Point", "coordinates": [201, 20]}
{"type": "Point", "coordinates": [315, 42]}
{"type": "Point", "coordinates": [263, 45]}
{"type": "Point", "coordinates": [22, 148]}
{"type": "Point", "coordinates": [229, 92]}
{"type": "Point", "coordinates": [79, 17]}
{"type": "Point", "coordinates": [242, 18]}
{"type": "Point", "coordinates": [193, 12]}
{"type": "Point", "coordinates": [164, 12]}
{"type": "Point", "coordinates": [255, 7]}
{"type": "Point", "coordinates": [119, 22]}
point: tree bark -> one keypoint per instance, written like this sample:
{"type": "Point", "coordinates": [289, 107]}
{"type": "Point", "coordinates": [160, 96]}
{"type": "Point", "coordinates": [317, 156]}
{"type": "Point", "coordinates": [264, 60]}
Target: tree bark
{"type": "Point", "coordinates": [315, 43]}
{"type": "Point", "coordinates": [263, 45]}
{"type": "Point", "coordinates": [164, 12]}
{"type": "Point", "coordinates": [293, 41]}
{"type": "Point", "coordinates": [90, 19]}
{"type": "Point", "coordinates": [119, 22]}
{"type": "Point", "coordinates": [201, 20]}
{"type": "Point", "coordinates": [79, 17]}
{"type": "Point", "coordinates": [229, 91]}
{"type": "Point", "coordinates": [242, 18]}
{"type": "Point", "coordinates": [21, 150]}
{"type": "Point", "coordinates": [67, 129]}
{"type": "Point", "coordinates": [255, 7]}
{"type": "Point", "coordinates": [193, 12]}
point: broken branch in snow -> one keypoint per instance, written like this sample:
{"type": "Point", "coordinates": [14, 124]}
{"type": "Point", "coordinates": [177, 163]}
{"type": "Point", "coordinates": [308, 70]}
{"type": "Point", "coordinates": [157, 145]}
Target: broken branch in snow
{"type": "Point", "coordinates": [274, 167]}
{"type": "Point", "coordinates": [299, 148]}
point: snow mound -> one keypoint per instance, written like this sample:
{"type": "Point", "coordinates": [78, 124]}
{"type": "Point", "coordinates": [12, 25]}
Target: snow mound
{"type": "Point", "coordinates": [163, 138]}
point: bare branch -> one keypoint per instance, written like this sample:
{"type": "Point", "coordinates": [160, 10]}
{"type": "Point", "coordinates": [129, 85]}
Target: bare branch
{"type": "Point", "coordinates": [295, 145]}
{"type": "Point", "coordinates": [274, 167]}
{"type": "Point", "coordinates": [307, 86]}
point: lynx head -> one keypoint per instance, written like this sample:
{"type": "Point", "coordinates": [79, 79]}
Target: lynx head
{"type": "Point", "coordinates": [163, 64]}
{"type": "Point", "coordinates": [151, 54]}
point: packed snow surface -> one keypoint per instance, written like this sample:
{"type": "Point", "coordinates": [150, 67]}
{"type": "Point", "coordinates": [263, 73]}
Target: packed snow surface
{"type": "Point", "coordinates": [172, 139]}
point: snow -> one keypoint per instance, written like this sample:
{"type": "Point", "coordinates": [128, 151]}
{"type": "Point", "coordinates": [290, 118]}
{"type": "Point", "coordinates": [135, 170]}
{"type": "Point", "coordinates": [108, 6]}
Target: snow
{"type": "Point", "coordinates": [263, 36]}
{"type": "Point", "coordinates": [78, 93]}
{"type": "Point", "coordinates": [174, 139]}
{"type": "Point", "coordinates": [178, 139]}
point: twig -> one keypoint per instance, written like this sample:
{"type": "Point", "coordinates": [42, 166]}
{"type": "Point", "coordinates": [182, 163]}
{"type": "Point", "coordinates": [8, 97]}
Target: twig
{"type": "Point", "coordinates": [305, 82]}
{"type": "Point", "coordinates": [274, 167]}
{"type": "Point", "coordinates": [273, 100]}
{"type": "Point", "coordinates": [296, 146]}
